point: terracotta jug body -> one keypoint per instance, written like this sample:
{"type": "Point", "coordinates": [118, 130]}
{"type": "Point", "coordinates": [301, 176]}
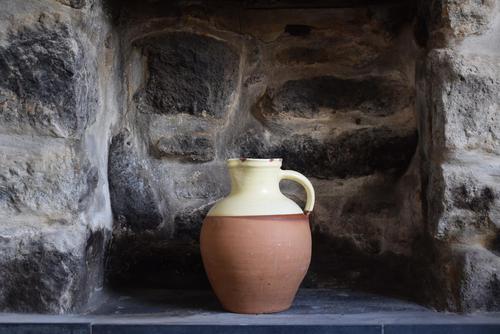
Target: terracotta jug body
{"type": "Point", "coordinates": [256, 242]}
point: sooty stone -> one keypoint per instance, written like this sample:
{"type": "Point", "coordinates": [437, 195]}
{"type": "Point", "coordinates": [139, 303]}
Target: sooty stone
{"type": "Point", "coordinates": [302, 55]}
{"type": "Point", "coordinates": [189, 74]}
{"type": "Point", "coordinates": [132, 198]}
{"type": "Point", "coordinates": [43, 67]}
{"type": "Point", "coordinates": [45, 275]}
{"type": "Point", "coordinates": [188, 223]}
{"type": "Point", "coordinates": [305, 97]}
{"type": "Point", "coordinates": [298, 29]}
{"type": "Point", "coordinates": [355, 153]}
{"type": "Point", "coordinates": [186, 147]}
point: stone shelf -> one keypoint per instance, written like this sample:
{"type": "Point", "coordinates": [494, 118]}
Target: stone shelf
{"type": "Point", "coordinates": [314, 311]}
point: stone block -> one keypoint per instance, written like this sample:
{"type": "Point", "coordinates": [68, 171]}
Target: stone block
{"type": "Point", "coordinates": [303, 55]}
{"type": "Point", "coordinates": [133, 199]}
{"type": "Point", "coordinates": [204, 183]}
{"type": "Point", "coordinates": [307, 97]}
{"type": "Point", "coordinates": [470, 279]}
{"type": "Point", "coordinates": [353, 153]}
{"type": "Point", "coordinates": [188, 73]}
{"type": "Point", "coordinates": [49, 268]}
{"type": "Point", "coordinates": [469, 17]}
{"type": "Point", "coordinates": [462, 101]}
{"type": "Point", "coordinates": [45, 177]}
{"type": "Point", "coordinates": [464, 199]}
{"type": "Point", "coordinates": [76, 4]}
{"type": "Point", "coordinates": [44, 87]}
{"type": "Point", "coordinates": [444, 22]}
{"type": "Point", "coordinates": [190, 147]}
{"type": "Point", "coordinates": [480, 276]}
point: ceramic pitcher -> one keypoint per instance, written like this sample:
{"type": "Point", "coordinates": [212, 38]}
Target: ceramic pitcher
{"type": "Point", "coordinates": [256, 242]}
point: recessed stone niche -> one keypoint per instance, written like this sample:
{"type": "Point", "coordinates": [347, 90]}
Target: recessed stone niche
{"type": "Point", "coordinates": [116, 118]}
{"type": "Point", "coordinates": [329, 90]}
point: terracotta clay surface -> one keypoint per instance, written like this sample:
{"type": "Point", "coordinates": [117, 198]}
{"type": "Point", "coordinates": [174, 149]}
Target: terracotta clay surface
{"type": "Point", "coordinates": [255, 264]}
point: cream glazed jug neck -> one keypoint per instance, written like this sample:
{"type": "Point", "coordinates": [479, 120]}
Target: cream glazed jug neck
{"type": "Point", "coordinates": [259, 177]}
{"type": "Point", "coordinates": [255, 190]}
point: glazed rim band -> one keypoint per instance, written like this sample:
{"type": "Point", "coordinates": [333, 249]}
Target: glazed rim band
{"type": "Point", "coordinates": [295, 216]}
{"type": "Point", "coordinates": [251, 162]}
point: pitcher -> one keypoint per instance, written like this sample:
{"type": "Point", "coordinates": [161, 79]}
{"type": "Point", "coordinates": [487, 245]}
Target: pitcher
{"type": "Point", "coordinates": [256, 242]}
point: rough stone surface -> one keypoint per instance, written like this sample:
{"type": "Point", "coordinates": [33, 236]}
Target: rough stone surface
{"type": "Point", "coordinates": [457, 100]}
{"type": "Point", "coordinates": [49, 272]}
{"type": "Point", "coordinates": [191, 147]}
{"type": "Point", "coordinates": [188, 73]}
{"type": "Point", "coordinates": [467, 276]}
{"type": "Point", "coordinates": [43, 85]}
{"type": "Point", "coordinates": [463, 200]}
{"type": "Point", "coordinates": [54, 202]}
{"type": "Point", "coordinates": [39, 177]}
{"type": "Point", "coordinates": [480, 285]}
{"type": "Point", "coordinates": [465, 91]}
{"type": "Point", "coordinates": [444, 22]}
{"type": "Point", "coordinates": [355, 153]}
{"type": "Point", "coordinates": [77, 4]}
{"type": "Point", "coordinates": [306, 97]}
{"type": "Point", "coordinates": [132, 197]}
{"type": "Point", "coordinates": [469, 17]}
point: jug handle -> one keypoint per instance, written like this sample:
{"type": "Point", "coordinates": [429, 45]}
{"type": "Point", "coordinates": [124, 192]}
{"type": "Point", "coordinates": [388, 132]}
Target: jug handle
{"type": "Point", "coordinates": [304, 182]}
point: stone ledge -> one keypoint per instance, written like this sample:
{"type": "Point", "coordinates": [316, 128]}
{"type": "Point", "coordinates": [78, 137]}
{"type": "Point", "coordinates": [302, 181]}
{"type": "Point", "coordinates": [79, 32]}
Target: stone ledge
{"type": "Point", "coordinates": [84, 328]}
{"type": "Point", "coordinates": [314, 311]}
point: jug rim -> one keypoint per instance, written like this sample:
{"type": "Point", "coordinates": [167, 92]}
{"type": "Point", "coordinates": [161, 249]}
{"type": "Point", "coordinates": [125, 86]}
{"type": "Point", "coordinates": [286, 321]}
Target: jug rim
{"type": "Point", "coordinates": [254, 162]}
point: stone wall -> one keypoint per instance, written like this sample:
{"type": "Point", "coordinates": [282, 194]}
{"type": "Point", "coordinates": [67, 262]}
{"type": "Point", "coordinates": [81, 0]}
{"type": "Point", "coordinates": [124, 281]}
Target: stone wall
{"type": "Point", "coordinates": [57, 101]}
{"type": "Point", "coordinates": [116, 119]}
{"type": "Point", "coordinates": [458, 100]}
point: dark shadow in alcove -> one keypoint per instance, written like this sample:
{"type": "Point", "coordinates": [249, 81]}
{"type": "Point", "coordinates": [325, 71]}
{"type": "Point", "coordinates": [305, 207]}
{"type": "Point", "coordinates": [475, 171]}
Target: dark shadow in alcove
{"type": "Point", "coordinates": [171, 302]}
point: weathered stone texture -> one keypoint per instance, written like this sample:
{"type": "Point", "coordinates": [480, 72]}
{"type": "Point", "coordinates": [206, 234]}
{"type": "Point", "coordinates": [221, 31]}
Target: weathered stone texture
{"type": "Point", "coordinates": [458, 90]}
{"type": "Point", "coordinates": [52, 232]}
{"type": "Point", "coordinates": [469, 279]}
{"type": "Point", "coordinates": [444, 22]}
{"type": "Point", "coordinates": [461, 136]}
{"type": "Point", "coordinates": [43, 85]}
{"type": "Point", "coordinates": [77, 4]}
{"type": "Point", "coordinates": [464, 200]}
{"type": "Point", "coordinates": [199, 184]}
{"type": "Point", "coordinates": [45, 178]}
{"type": "Point", "coordinates": [353, 153]}
{"type": "Point", "coordinates": [469, 17]}
{"type": "Point", "coordinates": [135, 205]}
{"type": "Point", "coordinates": [480, 279]}
{"type": "Point", "coordinates": [465, 92]}
{"type": "Point", "coordinates": [49, 271]}
{"type": "Point", "coordinates": [307, 97]}
{"type": "Point", "coordinates": [191, 147]}
{"type": "Point", "coordinates": [188, 73]}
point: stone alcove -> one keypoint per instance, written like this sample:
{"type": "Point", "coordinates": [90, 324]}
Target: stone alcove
{"type": "Point", "coordinates": [330, 90]}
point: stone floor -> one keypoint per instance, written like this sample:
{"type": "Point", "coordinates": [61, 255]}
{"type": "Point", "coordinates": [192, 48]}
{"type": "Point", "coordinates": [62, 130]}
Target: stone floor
{"type": "Point", "coordinates": [314, 311]}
